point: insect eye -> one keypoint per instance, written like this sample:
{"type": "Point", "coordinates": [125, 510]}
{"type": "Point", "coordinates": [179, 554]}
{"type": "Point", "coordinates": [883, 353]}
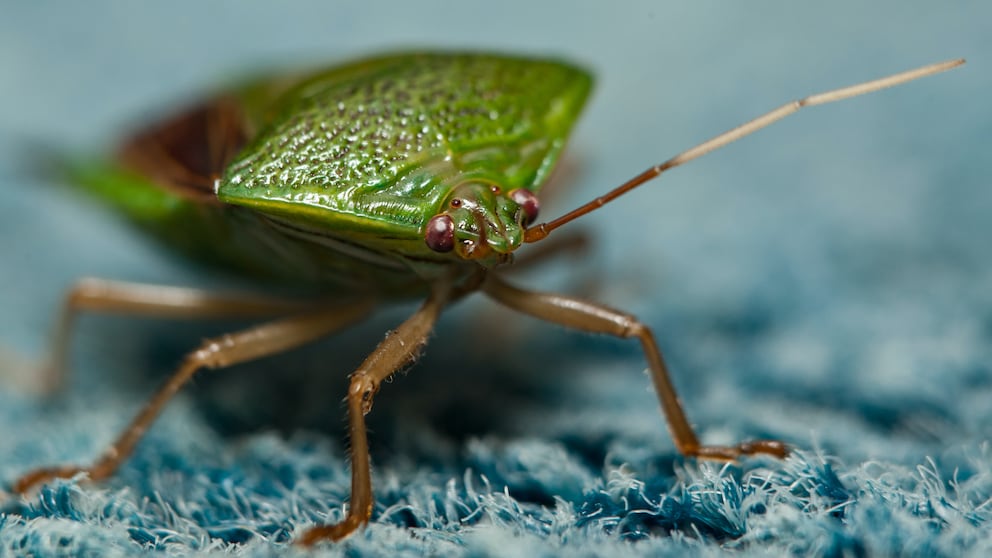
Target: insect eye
{"type": "Point", "coordinates": [456, 203]}
{"type": "Point", "coordinates": [528, 203]}
{"type": "Point", "coordinates": [440, 235]}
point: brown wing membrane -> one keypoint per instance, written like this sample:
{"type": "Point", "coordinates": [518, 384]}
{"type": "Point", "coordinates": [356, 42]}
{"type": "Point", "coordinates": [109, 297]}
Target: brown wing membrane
{"type": "Point", "coordinates": [188, 152]}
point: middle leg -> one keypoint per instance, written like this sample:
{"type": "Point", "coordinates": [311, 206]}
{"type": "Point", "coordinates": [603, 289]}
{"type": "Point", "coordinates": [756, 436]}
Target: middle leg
{"type": "Point", "coordinates": [595, 318]}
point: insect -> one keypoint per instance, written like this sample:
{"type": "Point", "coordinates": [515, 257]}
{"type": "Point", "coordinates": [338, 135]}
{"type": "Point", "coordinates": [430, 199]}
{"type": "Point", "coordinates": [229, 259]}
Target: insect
{"type": "Point", "coordinates": [406, 175]}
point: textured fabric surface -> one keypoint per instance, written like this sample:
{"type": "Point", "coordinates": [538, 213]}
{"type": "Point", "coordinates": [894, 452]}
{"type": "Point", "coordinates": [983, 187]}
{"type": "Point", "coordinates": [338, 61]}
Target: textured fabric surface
{"type": "Point", "coordinates": [826, 282]}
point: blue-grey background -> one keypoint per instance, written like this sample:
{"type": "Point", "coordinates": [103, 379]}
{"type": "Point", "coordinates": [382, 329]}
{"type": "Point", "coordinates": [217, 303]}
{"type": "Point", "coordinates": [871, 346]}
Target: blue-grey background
{"type": "Point", "coordinates": [826, 282]}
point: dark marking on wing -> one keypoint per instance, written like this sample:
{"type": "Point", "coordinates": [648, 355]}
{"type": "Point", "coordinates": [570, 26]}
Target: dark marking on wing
{"type": "Point", "coordinates": [188, 152]}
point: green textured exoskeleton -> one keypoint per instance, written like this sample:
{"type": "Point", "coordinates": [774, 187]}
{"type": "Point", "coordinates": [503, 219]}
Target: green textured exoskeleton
{"type": "Point", "coordinates": [412, 174]}
{"type": "Point", "coordinates": [342, 172]}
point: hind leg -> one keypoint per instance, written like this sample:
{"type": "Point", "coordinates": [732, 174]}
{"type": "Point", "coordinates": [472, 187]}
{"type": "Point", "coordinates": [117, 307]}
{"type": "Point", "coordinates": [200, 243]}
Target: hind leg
{"type": "Point", "coordinates": [255, 342]}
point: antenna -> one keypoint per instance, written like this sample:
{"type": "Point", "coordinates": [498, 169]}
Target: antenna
{"type": "Point", "coordinates": [540, 231]}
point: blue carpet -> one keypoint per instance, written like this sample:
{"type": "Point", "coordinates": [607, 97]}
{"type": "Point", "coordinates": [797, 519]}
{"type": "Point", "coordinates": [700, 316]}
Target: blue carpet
{"type": "Point", "coordinates": [826, 282]}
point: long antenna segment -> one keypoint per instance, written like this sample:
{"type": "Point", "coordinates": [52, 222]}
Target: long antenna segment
{"type": "Point", "coordinates": [540, 231]}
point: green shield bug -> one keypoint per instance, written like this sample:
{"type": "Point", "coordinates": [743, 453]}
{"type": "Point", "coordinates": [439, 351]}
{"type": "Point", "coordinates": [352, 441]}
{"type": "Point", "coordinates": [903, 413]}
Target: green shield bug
{"type": "Point", "coordinates": [407, 175]}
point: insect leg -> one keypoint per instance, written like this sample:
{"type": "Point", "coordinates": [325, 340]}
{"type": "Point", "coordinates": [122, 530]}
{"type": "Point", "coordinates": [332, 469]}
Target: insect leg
{"type": "Point", "coordinates": [101, 295]}
{"type": "Point", "coordinates": [595, 318]}
{"type": "Point", "coordinates": [259, 341]}
{"type": "Point", "coordinates": [400, 347]}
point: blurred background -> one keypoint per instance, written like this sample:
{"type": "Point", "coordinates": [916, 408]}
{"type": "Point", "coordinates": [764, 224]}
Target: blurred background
{"type": "Point", "coordinates": [826, 281]}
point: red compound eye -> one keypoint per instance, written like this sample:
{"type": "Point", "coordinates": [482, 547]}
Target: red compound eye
{"type": "Point", "coordinates": [528, 204]}
{"type": "Point", "coordinates": [440, 235]}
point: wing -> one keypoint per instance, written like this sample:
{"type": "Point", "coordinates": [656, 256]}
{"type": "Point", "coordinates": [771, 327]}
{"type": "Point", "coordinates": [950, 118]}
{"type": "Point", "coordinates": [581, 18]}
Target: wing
{"type": "Point", "coordinates": [373, 147]}
{"type": "Point", "coordinates": [186, 153]}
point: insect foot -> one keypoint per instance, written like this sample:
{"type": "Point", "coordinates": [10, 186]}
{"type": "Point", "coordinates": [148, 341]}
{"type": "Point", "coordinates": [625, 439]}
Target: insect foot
{"type": "Point", "coordinates": [334, 532]}
{"type": "Point", "coordinates": [774, 448]}
{"type": "Point", "coordinates": [39, 476]}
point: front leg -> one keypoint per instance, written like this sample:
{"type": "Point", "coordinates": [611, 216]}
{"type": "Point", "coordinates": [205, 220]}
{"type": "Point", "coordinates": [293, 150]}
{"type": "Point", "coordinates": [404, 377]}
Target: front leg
{"type": "Point", "coordinates": [399, 348]}
{"type": "Point", "coordinates": [595, 318]}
